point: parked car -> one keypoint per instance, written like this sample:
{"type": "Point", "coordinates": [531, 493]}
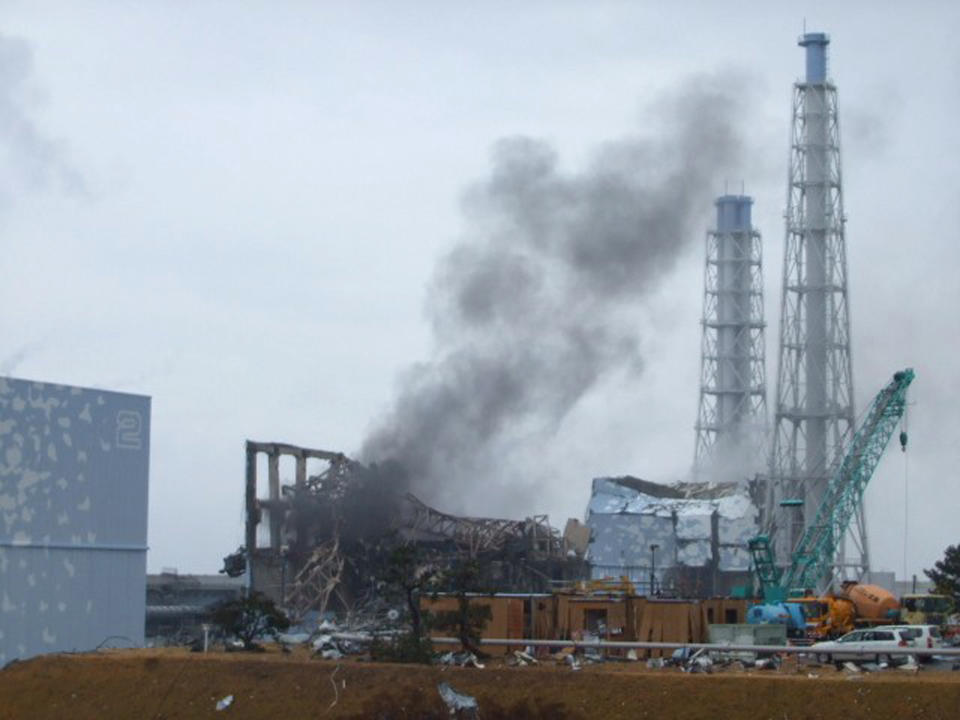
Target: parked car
{"type": "Point", "coordinates": [923, 636]}
{"type": "Point", "coordinates": [867, 644]}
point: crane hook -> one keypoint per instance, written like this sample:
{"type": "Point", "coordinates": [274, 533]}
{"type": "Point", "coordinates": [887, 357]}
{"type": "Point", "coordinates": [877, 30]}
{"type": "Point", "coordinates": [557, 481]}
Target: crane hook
{"type": "Point", "coordinates": [903, 440]}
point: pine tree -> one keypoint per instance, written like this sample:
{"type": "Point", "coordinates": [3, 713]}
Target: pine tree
{"type": "Point", "coordinates": [946, 573]}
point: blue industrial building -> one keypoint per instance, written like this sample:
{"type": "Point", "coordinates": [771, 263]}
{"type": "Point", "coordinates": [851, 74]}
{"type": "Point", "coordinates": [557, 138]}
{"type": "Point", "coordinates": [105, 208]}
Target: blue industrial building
{"type": "Point", "coordinates": [74, 466]}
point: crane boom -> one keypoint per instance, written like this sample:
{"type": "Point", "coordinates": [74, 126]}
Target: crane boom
{"type": "Point", "coordinates": [813, 557]}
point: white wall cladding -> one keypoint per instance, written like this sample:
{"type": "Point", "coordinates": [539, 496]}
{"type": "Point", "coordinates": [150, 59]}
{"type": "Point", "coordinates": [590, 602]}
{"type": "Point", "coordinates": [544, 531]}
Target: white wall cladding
{"type": "Point", "coordinates": [625, 521]}
{"type": "Point", "coordinates": [74, 468]}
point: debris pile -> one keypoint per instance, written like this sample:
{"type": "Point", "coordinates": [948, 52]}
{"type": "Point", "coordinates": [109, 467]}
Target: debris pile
{"type": "Point", "coordinates": [460, 659]}
{"type": "Point", "coordinates": [319, 542]}
{"type": "Point", "coordinates": [460, 705]}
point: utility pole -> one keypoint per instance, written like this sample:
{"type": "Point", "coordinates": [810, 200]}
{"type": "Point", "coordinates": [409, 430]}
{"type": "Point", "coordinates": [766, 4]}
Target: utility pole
{"type": "Point", "coordinates": [653, 568]}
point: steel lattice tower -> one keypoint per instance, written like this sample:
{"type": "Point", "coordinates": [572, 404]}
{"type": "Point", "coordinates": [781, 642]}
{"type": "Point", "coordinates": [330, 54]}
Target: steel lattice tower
{"type": "Point", "coordinates": [733, 410]}
{"type": "Point", "coordinates": [814, 418]}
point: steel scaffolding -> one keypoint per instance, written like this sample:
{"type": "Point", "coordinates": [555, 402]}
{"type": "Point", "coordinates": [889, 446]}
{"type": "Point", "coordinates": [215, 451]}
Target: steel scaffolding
{"type": "Point", "coordinates": [814, 414]}
{"type": "Point", "coordinates": [732, 416]}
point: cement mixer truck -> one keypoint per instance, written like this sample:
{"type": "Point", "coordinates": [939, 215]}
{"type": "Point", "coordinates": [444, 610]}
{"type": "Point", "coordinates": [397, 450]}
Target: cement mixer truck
{"type": "Point", "coordinates": [856, 606]}
{"type": "Point", "coordinates": [807, 616]}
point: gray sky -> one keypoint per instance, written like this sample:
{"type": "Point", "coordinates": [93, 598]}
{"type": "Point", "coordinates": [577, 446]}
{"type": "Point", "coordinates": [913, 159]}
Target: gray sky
{"type": "Point", "coordinates": [237, 209]}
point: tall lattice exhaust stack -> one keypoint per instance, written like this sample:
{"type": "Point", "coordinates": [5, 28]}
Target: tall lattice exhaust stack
{"type": "Point", "coordinates": [814, 418]}
{"type": "Point", "coordinates": [733, 411]}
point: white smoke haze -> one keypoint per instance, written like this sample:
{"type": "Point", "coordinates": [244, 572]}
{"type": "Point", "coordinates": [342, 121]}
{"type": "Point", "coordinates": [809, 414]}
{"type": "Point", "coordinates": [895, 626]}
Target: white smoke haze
{"type": "Point", "coordinates": [538, 301]}
{"type": "Point", "coordinates": [27, 157]}
{"type": "Point", "coordinates": [10, 362]}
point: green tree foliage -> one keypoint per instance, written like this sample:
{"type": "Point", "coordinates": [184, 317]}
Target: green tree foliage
{"type": "Point", "coordinates": [407, 572]}
{"type": "Point", "coordinates": [946, 573]}
{"type": "Point", "coordinates": [250, 617]}
{"type": "Point", "coordinates": [469, 619]}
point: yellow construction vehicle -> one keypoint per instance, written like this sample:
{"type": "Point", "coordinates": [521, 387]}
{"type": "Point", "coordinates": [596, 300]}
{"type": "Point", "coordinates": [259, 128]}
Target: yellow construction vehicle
{"type": "Point", "coordinates": [925, 609]}
{"type": "Point", "coordinates": [855, 606]}
{"type": "Point", "coordinates": [611, 586]}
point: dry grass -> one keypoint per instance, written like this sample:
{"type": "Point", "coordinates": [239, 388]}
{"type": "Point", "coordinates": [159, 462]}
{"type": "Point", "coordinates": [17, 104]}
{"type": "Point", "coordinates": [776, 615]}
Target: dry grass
{"type": "Point", "coordinates": [168, 684]}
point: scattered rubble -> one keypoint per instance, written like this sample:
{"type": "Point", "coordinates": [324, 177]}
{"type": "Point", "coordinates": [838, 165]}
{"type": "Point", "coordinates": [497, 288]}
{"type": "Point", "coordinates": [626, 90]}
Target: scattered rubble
{"type": "Point", "coordinates": [768, 663]}
{"type": "Point", "coordinates": [336, 693]}
{"type": "Point", "coordinates": [910, 665]}
{"type": "Point", "coordinates": [43, 689]}
{"type": "Point", "coordinates": [523, 659]}
{"type": "Point", "coordinates": [460, 705]}
{"type": "Point", "coordinates": [298, 638]}
{"type": "Point", "coordinates": [699, 662]}
{"type": "Point", "coordinates": [460, 659]}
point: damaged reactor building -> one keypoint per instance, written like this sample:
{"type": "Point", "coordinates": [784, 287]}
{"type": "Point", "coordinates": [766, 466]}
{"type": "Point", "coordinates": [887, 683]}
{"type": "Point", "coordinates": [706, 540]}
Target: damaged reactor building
{"type": "Point", "coordinates": [690, 539]}
{"type": "Point", "coordinates": [687, 540]}
{"type": "Point", "coordinates": [318, 541]}
{"type": "Point", "coordinates": [314, 540]}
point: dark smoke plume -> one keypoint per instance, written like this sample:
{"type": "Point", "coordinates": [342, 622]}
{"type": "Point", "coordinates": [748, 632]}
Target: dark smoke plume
{"type": "Point", "coordinates": [538, 301]}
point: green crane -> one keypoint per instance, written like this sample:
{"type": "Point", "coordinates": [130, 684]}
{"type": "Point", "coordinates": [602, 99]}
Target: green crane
{"type": "Point", "coordinates": [813, 557]}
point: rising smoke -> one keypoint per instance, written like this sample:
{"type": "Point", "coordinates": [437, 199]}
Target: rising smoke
{"type": "Point", "coordinates": [538, 300]}
{"type": "Point", "coordinates": [28, 158]}
{"type": "Point", "coordinates": [10, 362]}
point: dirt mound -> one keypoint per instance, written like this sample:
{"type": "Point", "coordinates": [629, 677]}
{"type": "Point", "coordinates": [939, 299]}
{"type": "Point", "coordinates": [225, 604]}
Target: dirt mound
{"type": "Point", "coordinates": [168, 684]}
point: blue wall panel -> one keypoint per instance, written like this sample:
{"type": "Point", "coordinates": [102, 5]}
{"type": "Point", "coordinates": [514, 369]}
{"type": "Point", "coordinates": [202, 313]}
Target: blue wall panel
{"type": "Point", "coordinates": [74, 466]}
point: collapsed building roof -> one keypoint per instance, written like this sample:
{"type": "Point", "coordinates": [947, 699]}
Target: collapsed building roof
{"type": "Point", "coordinates": [321, 537]}
{"type": "Point", "coordinates": [476, 536]}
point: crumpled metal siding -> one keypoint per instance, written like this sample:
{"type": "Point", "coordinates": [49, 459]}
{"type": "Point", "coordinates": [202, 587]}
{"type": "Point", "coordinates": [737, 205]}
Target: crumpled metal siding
{"type": "Point", "coordinates": [625, 522]}
{"type": "Point", "coordinates": [73, 517]}
{"type": "Point", "coordinates": [734, 558]}
{"type": "Point", "coordinates": [624, 540]}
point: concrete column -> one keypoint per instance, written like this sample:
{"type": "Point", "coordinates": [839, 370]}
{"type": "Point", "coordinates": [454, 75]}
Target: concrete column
{"type": "Point", "coordinates": [733, 315]}
{"type": "Point", "coordinates": [251, 502]}
{"type": "Point", "coordinates": [273, 466]}
{"type": "Point", "coordinates": [301, 470]}
{"type": "Point", "coordinates": [815, 227]}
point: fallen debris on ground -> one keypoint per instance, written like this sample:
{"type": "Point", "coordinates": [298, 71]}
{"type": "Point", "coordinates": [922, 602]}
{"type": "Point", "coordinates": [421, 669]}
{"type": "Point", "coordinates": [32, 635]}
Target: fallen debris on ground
{"type": "Point", "coordinates": [460, 705]}
{"type": "Point", "coordinates": [116, 685]}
